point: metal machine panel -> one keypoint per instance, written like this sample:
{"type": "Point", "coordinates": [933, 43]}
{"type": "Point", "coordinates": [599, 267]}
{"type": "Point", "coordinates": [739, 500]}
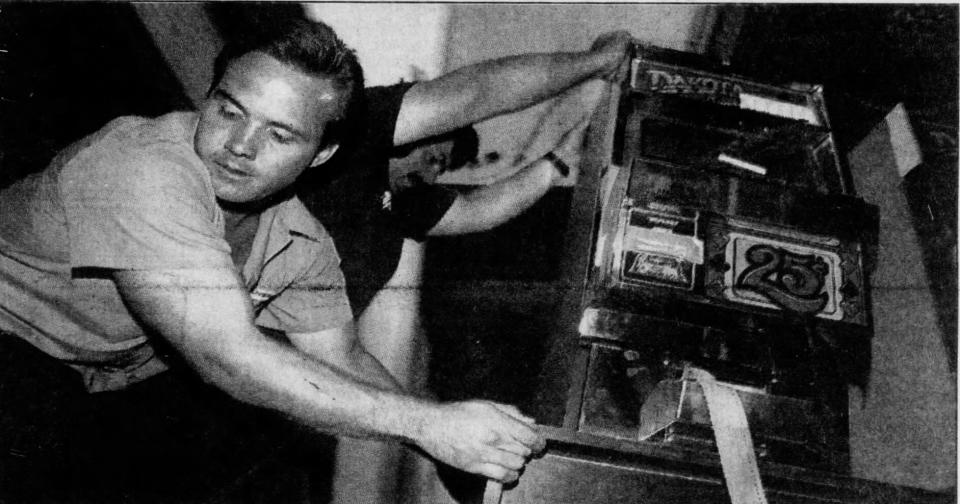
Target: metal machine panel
{"type": "Point", "coordinates": [782, 269]}
{"type": "Point", "coordinates": [805, 104]}
{"type": "Point", "coordinates": [655, 248]}
{"type": "Point", "coordinates": [725, 239]}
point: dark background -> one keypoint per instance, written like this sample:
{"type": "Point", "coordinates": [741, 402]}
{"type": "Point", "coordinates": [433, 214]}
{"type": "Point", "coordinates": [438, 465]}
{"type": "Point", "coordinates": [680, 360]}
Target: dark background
{"type": "Point", "coordinates": [68, 69]}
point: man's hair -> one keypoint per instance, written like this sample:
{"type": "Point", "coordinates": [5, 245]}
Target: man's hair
{"type": "Point", "coordinates": [311, 47]}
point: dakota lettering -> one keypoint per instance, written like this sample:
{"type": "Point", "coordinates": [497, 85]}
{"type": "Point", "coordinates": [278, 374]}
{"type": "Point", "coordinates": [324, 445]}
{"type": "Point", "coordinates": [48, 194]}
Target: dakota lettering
{"type": "Point", "coordinates": [676, 83]}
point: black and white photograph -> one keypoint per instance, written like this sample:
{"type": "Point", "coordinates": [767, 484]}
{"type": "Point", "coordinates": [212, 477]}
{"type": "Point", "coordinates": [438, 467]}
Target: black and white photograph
{"type": "Point", "coordinates": [478, 253]}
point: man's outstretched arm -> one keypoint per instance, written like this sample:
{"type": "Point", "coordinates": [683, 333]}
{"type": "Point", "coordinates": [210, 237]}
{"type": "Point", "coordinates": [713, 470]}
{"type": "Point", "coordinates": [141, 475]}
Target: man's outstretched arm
{"type": "Point", "coordinates": [489, 206]}
{"type": "Point", "coordinates": [342, 348]}
{"type": "Point", "coordinates": [206, 316]}
{"type": "Point", "coordinates": [489, 88]}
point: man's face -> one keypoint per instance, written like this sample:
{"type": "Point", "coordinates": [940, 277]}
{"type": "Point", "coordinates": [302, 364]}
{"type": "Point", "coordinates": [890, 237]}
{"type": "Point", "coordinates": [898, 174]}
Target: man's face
{"type": "Point", "coordinates": [262, 126]}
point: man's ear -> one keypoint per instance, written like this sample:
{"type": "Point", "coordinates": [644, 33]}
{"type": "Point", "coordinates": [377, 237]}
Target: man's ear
{"type": "Point", "coordinates": [324, 155]}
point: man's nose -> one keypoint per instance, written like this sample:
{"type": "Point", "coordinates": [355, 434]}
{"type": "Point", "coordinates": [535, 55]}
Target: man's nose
{"type": "Point", "coordinates": [243, 142]}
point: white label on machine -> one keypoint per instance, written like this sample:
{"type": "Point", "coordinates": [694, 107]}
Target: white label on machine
{"type": "Point", "coordinates": [778, 108]}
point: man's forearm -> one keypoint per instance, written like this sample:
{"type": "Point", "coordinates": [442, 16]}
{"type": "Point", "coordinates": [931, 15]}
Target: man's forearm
{"type": "Point", "coordinates": [483, 90]}
{"type": "Point", "coordinates": [476, 436]}
{"type": "Point", "coordinates": [206, 315]}
{"type": "Point", "coordinates": [508, 84]}
{"type": "Point", "coordinates": [270, 374]}
{"type": "Point", "coordinates": [489, 206]}
{"type": "Point", "coordinates": [342, 349]}
{"type": "Point", "coordinates": [372, 370]}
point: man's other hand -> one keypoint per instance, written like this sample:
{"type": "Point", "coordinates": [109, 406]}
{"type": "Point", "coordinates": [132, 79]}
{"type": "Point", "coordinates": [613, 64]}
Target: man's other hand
{"type": "Point", "coordinates": [570, 146]}
{"type": "Point", "coordinates": [482, 437]}
{"type": "Point", "coordinates": [617, 47]}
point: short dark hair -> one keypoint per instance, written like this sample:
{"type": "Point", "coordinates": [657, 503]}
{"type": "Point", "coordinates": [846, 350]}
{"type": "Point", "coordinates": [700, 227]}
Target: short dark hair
{"type": "Point", "coordinates": [311, 47]}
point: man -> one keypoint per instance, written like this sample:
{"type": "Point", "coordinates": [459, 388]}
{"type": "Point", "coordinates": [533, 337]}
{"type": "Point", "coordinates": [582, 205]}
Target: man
{"type": "Point", "coordinates": [372, 224]}
{"type": "Point", "coordinates": [350, 199]}
{"type": "Point", "coordinates": [159, 240]}
{"type": "Point", "coordinates": [376, 227]}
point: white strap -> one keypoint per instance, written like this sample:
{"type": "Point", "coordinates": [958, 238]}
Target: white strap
{"type": "Point", "coordinates": [734, 443]}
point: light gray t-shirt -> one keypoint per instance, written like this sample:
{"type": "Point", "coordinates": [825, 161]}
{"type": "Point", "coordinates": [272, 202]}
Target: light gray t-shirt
{"type": "Point", "coordinates": [134, 195]}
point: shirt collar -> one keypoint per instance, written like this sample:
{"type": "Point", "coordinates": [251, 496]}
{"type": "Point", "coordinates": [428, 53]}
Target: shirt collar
{"type": "Point", "coordinates": [293, 219]}
{"type": "Point", "coordinates": [280, 225]}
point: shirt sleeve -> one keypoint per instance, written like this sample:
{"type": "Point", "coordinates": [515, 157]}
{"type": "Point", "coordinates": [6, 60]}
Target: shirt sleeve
{"type": "Point", "coordinates": [354, 179]}
{"type": "Point", "coordinates": [316, 297]}
{"type": "Point", "coordinates": [136, 207]}
{"type": "Point", "coordinates": [382, 109]}
{"type": "Point", "coordinates": [419, 208]}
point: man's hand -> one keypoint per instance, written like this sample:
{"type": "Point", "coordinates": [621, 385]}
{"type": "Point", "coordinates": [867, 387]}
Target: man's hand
{"type": "Point", "coordinates": [617, 47]}
{"type": "Point", "coordinates": [482, 437]}
{"type": "Point", "coordinates": [570, 146]}
{"type": "Point", "coordinates": [489, 206]}
{"type": "Point", "coordinates": [482, 90]}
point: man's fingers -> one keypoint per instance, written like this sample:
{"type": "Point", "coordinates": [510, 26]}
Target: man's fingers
{"type": "Point", "coordinates": [579, 126]}
{"type": "Point", "coordinates": [538, 444]}
{"type": "Point", "coordinates": [515, 447]}
{"type": "Point", "coordinates": [574, 132]}
{"type": "Point", "coordinates": [619, 46]}
{"type": "Point", "coordinates": [513, 411]}
{"type": "Point", "coordinates": [572, 141]}
{"type": "Point", "coordinates": [523, 431]}
{"type": "Point", "coordinates": [525, 435]}
{"type": "Point", "coordinates": [622, 71]}
{"type": "Point", "coordinates": [621, 37]}
{"type": "Point", "coordinates": [505, 459]}
{"type": "Point", "coordinates": [498, 473]}
{"type": "Point", "coordinates": [528, 437]}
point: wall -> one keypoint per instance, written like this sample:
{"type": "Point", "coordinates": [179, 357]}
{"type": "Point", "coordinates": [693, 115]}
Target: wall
{"type": "Point", "coordinates": [903, 429]}
{"type": "Point", "coordinates": [393, 41]}
{"type": "Point", "coordinates": [478, 32]}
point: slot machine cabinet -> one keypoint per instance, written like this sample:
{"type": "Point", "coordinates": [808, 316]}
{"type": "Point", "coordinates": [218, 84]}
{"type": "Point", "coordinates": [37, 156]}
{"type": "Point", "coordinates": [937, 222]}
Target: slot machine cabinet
{"type": "Point", "coordinates": [714, 227]}
{"type": "Point", "coordinates": [726, 238]}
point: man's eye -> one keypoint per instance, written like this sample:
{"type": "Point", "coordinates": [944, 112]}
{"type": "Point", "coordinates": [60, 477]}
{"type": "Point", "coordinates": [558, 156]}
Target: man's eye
{"type": "Point", "coordinates": [229, 111]}
{"type": "Point", "coordinates": [280, 137]}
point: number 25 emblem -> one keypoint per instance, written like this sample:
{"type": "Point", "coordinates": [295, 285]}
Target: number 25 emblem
{"type": "Point", "coordinates": [792, 281]}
